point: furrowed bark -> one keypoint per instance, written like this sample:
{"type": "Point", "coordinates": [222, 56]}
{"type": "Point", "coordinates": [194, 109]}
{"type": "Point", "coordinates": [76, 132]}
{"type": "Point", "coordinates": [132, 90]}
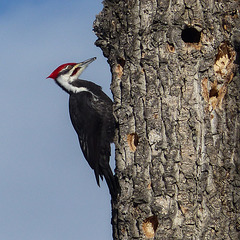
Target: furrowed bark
{"type": "Point", "coordinates": [175, 83]}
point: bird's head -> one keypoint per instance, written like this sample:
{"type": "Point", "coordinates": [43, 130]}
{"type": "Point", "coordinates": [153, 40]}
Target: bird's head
{"type": "Point", "coordinates": [67, 73]}
{"type": "Point", "coordinates": [70, 71]}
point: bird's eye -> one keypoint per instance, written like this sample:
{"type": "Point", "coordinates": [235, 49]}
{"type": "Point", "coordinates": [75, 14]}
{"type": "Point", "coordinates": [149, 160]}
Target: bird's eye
{"type": "Point", "coordinates": [68, 67]}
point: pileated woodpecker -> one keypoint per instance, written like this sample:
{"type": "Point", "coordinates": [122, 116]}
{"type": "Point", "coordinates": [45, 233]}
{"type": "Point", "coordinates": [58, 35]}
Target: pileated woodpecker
{"type": "Point", "coordinates": [92, 117]}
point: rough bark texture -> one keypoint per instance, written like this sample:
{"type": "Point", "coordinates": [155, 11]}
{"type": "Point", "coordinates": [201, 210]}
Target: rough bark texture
{"type": "Point", "coordinates": [175, 82]}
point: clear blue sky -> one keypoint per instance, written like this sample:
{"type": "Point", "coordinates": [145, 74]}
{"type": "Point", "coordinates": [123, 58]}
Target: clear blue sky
{"type": "Point", "coordinates": [47, 190]}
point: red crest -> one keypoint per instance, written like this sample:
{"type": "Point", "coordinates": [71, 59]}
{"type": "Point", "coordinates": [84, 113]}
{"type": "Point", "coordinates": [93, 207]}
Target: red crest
{"type": "Point", "coordinates": [55, 73]}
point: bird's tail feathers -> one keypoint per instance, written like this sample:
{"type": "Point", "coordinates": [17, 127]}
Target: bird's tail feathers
{"type": "Point", "coordinates": [111, 181]}
{"type": "Point", "coordinates": [97, 174]}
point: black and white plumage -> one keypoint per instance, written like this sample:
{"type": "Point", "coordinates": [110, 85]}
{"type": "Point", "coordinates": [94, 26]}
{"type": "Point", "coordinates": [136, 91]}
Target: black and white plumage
{"type": "Point", "coordinates": [92, 117]}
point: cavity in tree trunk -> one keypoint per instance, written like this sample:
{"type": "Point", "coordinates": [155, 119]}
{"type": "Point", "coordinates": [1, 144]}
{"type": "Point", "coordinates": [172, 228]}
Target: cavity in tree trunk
{"type": "Point", "coordinates": [175, 83]}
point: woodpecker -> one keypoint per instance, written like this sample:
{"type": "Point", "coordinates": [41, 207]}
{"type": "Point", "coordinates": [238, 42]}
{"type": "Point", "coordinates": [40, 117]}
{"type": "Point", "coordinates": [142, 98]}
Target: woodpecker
{"type": "Point", "coordinates": [91, 114]}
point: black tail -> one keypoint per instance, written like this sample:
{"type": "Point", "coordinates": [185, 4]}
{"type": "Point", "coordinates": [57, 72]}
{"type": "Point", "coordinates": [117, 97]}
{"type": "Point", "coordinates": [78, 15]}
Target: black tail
{"type": "Point", "coordinates": [111, 182]}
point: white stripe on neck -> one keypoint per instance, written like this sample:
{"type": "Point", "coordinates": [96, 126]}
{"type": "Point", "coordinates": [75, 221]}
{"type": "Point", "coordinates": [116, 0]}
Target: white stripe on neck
{"type": "Point", "coordinates": [68, 86]}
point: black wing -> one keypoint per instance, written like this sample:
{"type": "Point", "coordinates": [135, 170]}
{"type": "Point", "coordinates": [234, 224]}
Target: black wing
{"type": "Point", "coordinates": [87, 124]}
{"type": "Point", "coordinates": [86, 113]}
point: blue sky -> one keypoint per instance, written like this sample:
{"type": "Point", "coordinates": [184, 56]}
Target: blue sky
{"type": "Point", "coordinates": [47, 190]}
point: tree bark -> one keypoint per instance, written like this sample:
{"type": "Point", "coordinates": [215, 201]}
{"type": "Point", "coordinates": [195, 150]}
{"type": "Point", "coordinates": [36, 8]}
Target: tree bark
{"type": "Point", "coordinates": [175, 83]}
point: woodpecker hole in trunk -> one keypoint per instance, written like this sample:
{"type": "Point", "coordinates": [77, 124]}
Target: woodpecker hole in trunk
{"type": "Point", "coordinates": [224, 66]}
{"type": "Point", "coordinates": [119, 67]}
{"type": "Point", "coordinates": [170, 47]}
{"type": "Point", "coordinates": [119, 71]}
{"type": "Point", "coordinates": [149, 226]}
{"type": "Point", "coordinates": [132, 140]}
{"type": "Point", "coordinates": [121, 61]}
{"type": "Point", "coordinates": [213, 92]}
{"type": "Point", "coordinates": [191, 35]}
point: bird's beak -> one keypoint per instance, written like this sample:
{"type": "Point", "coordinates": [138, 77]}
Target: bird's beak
{"type": "Point", "coordinates": [77, 70]}
{"type": "Point", "coordinates": [85, 63]}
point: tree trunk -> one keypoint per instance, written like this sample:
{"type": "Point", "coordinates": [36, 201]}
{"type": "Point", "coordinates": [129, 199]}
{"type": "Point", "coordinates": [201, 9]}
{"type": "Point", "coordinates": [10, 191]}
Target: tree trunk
{"type": "Point", "coordinates": [175, 83]}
